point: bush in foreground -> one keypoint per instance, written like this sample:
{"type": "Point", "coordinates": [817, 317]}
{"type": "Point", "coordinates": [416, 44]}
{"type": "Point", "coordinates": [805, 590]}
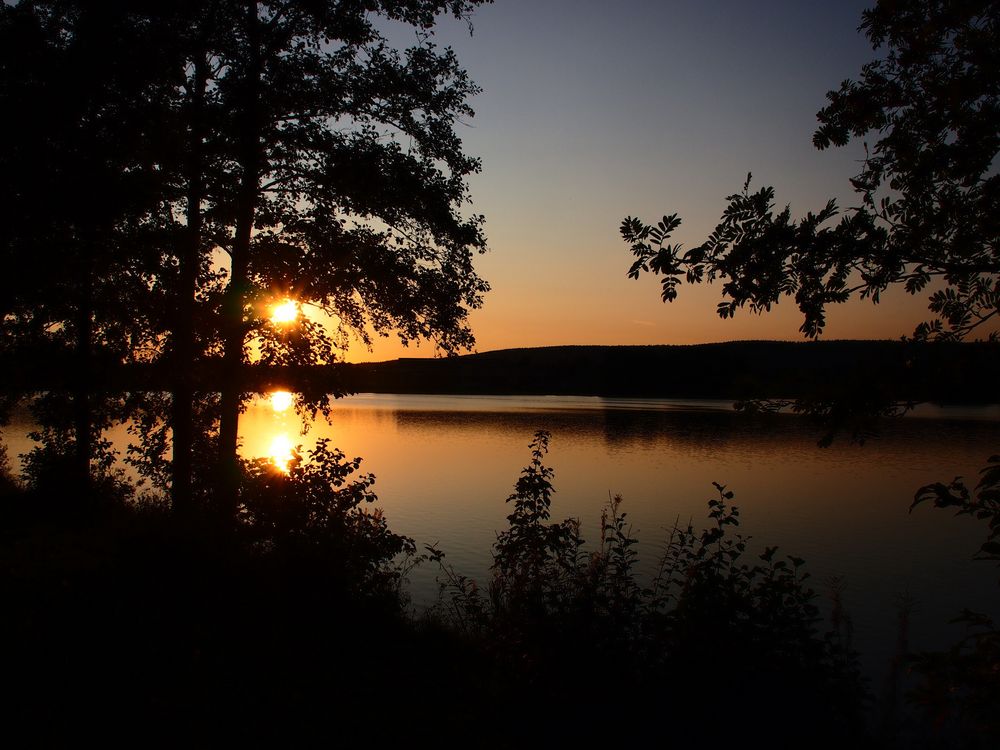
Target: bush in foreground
{"type": "Point", "coordinates": [717, 647]}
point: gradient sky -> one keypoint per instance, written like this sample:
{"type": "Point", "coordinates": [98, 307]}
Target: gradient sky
{"type": "Point", "coordinates": [593, 110]}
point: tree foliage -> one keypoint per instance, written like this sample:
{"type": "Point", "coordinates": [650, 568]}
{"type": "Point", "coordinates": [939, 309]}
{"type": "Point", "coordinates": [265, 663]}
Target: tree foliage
{"type": "Point", "coordinates": [960, 685]}
{"type": "Point", "coordinates": [316, 512]}
{"type": "Point", "coordinates": [929, 191]}
{"type": "Point", "coordinates": [353, 170]}
{"type": "Point", "coordinates": [178, 168]}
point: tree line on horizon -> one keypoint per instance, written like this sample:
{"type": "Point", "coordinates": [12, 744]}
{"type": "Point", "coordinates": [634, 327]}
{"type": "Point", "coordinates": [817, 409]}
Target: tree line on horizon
{"type": "Point", "coordinates": [739, 371]}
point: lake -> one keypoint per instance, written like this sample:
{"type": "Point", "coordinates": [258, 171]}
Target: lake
{"type": "Point", "coordinates": [446, 464]}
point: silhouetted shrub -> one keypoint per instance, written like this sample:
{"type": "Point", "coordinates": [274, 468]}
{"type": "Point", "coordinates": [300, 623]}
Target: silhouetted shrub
{"type": "Point", "coordinates": [284, 627]}
{"type": "Point", "coordinates": [713, 632]}
{"type": "Point", "coordinates": [959, 690]}
{"type": "Point", "coordinates": [316, 512]}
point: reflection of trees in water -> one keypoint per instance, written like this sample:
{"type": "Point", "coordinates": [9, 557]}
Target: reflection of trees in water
{"type": "Point", "coordinates": [516, 424]}
{"type": "Point", "coordinates": [620, 430]}
{"type": "Point", "coordinates": [627, 429]}
{"type": "Point", "coordinates": [381, 418]}
{"type": "Point", "coordinates": [615, 426]}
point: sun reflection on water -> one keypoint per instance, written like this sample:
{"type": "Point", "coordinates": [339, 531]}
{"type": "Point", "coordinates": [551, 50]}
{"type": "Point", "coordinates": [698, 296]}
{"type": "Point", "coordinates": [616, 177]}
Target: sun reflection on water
{"type": "Point", "coordinates": [281, 452]}
{"type": "Point", "coordinates": [281, 422]}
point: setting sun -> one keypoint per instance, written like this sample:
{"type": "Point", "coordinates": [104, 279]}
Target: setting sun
{"type": "Point", "coordinates": [281, 400]}
{"type": "Point", "coordinates": [285, 312]}
{"type": "Point", "coordinates": [281, 452]}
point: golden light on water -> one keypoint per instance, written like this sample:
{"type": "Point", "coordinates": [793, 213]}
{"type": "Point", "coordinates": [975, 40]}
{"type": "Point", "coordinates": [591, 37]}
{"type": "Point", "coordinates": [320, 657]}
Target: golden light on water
{"type": "Point", "coordinates": [285, 312]}
{"type": "Point", "coordinates": [281, 400]}
{"type": "Point", "coordinates": [281, 452]}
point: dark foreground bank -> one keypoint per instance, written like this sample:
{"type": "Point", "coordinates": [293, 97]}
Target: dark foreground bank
{"type": "Point", "coordinates": [126, 624]}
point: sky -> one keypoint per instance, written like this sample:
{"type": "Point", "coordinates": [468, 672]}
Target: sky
{"type": "Point", "coordinates": [593, 110]}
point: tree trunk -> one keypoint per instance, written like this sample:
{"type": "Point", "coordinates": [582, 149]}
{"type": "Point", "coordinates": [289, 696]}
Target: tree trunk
{"type": "Point", "coordinates": [83, 381]}
{"type": "Point", "coordinates": [184, 349]}
{"type": "Point", "coordinates": [233, 312]}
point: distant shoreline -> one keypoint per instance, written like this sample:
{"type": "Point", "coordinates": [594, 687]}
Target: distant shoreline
{"type": "Point", "coordinates": [944, 372]}
{"type": "Point", "coordinates": [859, 370]}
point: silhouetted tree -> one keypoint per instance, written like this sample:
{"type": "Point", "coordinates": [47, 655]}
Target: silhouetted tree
{"type": "Point", "coordinates": [325, 164]}
{"type": "Point", "coordinates": [291, 137]}
{"type": "Point", "coordinates": [343, 184]}
{"type": "Point", "coordinates": [930, 196]}
{"type": "Point", "coordinates": [929, 218]}
{"type": "Point", "coordinates": [78, 177]}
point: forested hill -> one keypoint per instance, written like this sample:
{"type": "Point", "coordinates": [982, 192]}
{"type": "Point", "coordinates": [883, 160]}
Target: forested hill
{"type": "Point", "coordinates": [954, 372]}
{"type": "Point", "coordinates": [876, 370]}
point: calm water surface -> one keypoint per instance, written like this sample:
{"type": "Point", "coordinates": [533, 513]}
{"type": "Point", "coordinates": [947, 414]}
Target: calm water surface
{"type": "Point", "coordinates": [446, 464]}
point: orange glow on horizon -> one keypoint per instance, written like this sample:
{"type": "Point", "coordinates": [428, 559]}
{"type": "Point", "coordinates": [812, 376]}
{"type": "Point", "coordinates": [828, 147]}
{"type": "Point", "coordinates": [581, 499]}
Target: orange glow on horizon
{"type": "Point", "coordinates": [627, 313]}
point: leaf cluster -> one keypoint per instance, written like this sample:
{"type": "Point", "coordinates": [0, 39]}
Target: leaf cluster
{"type": "Point", "coordinates": [318, 511]}
{"type": "Point", "coordinates": [929, 194]}
{"type": "Point", "coordinates": [959, 686]}
{"type": "Point", "coordinates": [760, 256]}
{"type": "Point", "coordinates": [982, 503]}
